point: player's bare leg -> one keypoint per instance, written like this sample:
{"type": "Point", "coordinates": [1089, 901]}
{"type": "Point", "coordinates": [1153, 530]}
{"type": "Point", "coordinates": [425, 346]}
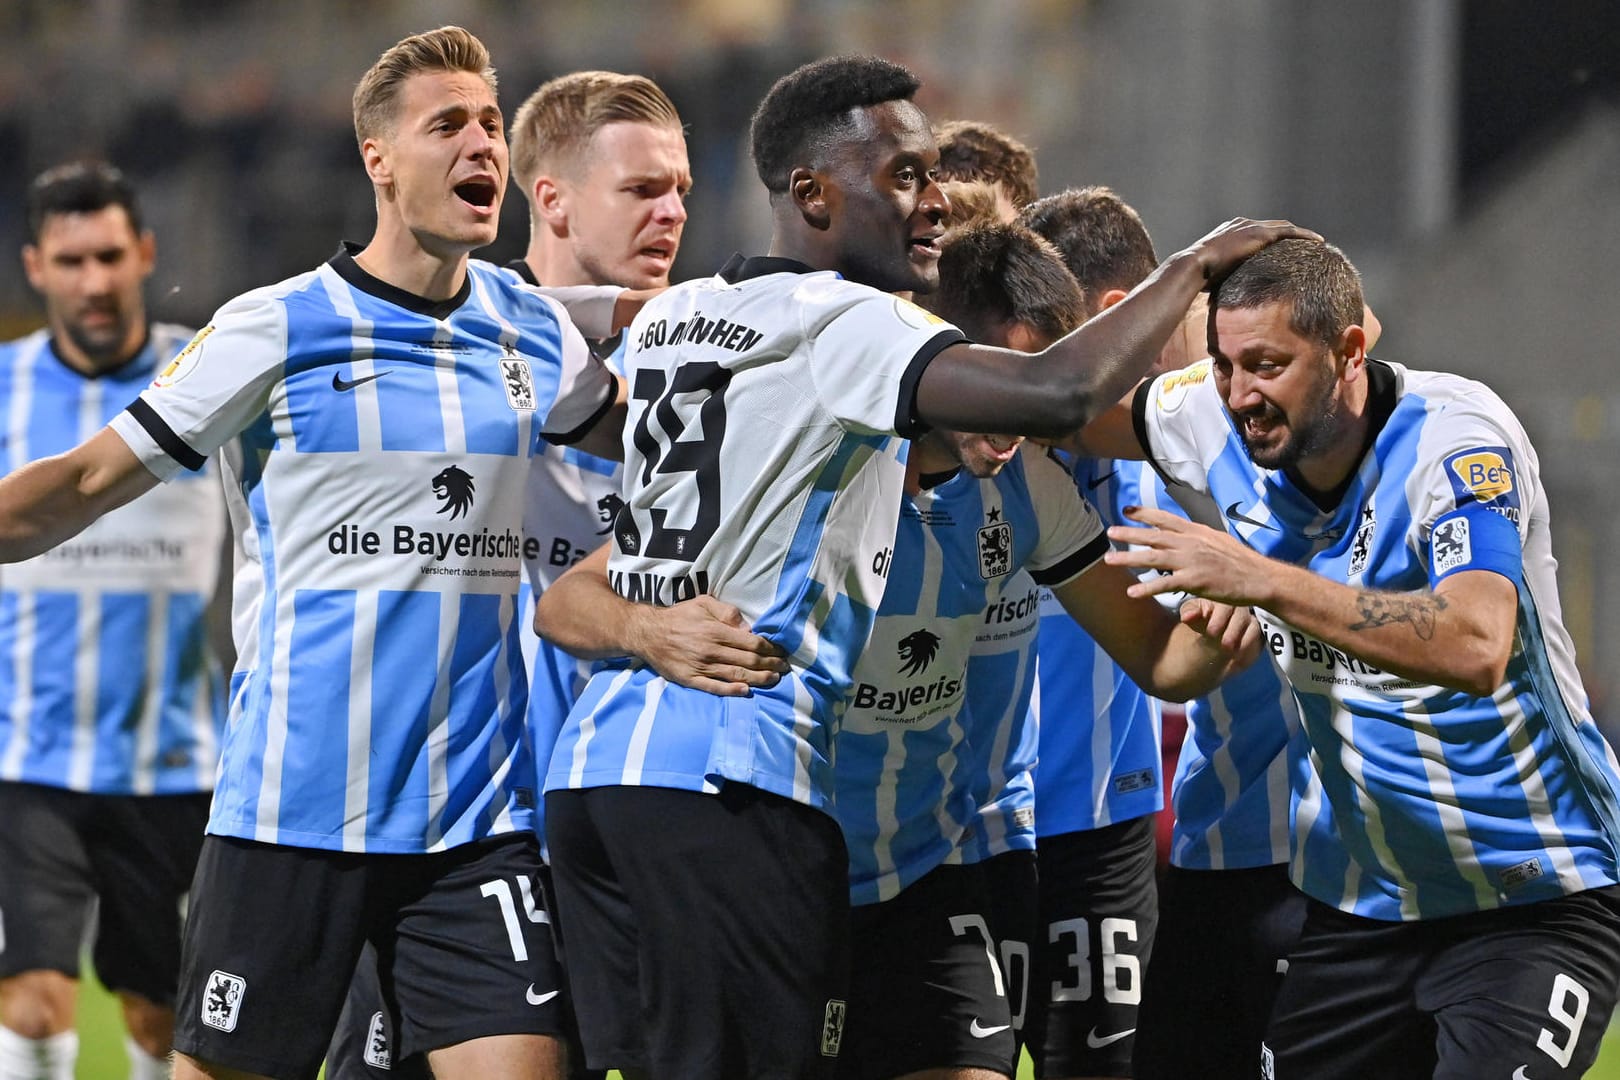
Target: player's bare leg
{"type": "Point", "coordinates": [38, 1004]}
{"type": "Point", "coordinates": [496, 1057]}
{"type": "Point", "coordinates": [189, 1068]}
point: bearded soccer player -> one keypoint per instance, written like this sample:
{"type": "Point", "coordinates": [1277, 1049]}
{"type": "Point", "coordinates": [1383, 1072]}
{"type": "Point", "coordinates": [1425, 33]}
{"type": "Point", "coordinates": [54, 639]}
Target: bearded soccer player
{"type": "Point", "coordinates": [696, 869]}
{"type": "Point", "coordinates": [1455, 816]}
{"type": "Point", "coordinates": [376, 417]}
{"type": "Point", "coordinates": [111, 701]}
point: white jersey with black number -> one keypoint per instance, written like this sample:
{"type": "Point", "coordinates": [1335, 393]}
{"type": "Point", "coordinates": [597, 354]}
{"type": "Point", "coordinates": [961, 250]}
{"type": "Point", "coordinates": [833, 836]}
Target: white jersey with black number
{"type": "Point", "coordinates": [376, 449]}
{"type": "Point", "coordinates": [763, 465]}
{"type": "Point", "coordinates": [913, 756]}
{"type": "Point", "coordinates": [107, 682]}
{"type": "Point", "coordinates": [1419, 801]}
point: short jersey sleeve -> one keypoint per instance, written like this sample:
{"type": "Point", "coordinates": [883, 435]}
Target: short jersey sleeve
{"type": "Point", "coordinates": [1071, 533]}
{"type": "Point", "coordinates": [1181, 424]}
{"type": "Point", "coordinates": [590, 307]}
{"type": "Point", "coordinates": [586, 389]}
{"type": "Point", "coordinates": [1477, 483]}
{"type": "Point", "coordinates": [211, 390]}
{"type": "Point", "coordinates": [867, 351]}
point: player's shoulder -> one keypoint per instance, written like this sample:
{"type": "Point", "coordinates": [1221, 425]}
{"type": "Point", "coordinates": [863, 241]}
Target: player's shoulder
{"type": "Point", "coordinates": [1457, 407]}
{"type": "Point", "coordinates": [169, 338]}
{"type": "Point", "coordinates": [1176, 390]}
{"type": "Point", "coordinates": [28, 343]}
{"type": "Point", "coordinates": [266, 301]}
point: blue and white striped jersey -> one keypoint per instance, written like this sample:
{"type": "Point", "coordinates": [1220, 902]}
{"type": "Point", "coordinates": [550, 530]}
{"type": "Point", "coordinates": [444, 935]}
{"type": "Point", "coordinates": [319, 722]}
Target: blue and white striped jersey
{"type": "Point", "coordinates": [1004, 725]}
{"type": "Point", "coordinates": [908, 770]}
{"type": "Point", "coordinates": [1419, 801]}
{"type": "Point", "coordinates": [572, 502]}
{"type": "Point", "coordinates": [376, 449]}
{"type": "Point", "coordinates": [1099, 731]}
{"type": "Point", "coordinates": [107, 682]}
{"type": "Point", "coordinates": [1231, 796]}
{"type": "Point", "coordinates": [763, 465]}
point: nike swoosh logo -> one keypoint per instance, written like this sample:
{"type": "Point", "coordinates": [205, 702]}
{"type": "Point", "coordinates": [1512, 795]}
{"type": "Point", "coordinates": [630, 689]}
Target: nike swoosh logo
{"type": "Point", "coordinates": [979, 1031]}
{"type": "Point", "coordinates": [1520, 1074]}
{"type": "Point", "coordinates": [1093, 485]}
{"type": "Point", "coordinates": [340, 384]}
{"type": "Point", "coordinates": [1237, 515]}
{"type": "Point", "coordinates": [1096, 1041]}
{"type": "Point", "coordinates": [538, 999]}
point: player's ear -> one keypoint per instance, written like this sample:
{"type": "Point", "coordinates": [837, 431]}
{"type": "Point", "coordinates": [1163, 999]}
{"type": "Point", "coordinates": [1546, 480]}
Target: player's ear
{"type": "Point", "coordinates": [33, 266]}
{"type": "Point", "coordinates": [550, 205]}
{"type": "Point", "coordinates": [808, 189]}
{"type": "Point", "coordinates": [374, 152]}
{"type": "Point", "coordinates": [1351, 348]}
{"type": "Point", "coordinates": [146, 248]}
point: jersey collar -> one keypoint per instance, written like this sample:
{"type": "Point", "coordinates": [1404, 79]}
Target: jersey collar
{"type": "Point", "coordinates": [349, 270]}
{"type": "Point", "coordinates": [738, 268]}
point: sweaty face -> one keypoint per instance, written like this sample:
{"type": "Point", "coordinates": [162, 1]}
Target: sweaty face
{"type": "Point", "coordinates": [89, 268]}
{"type": "Point", "coordinates": [626, 206]}
{"type": "Point", "coordinates": [887, 210]}
{"type": "Point", "coordinates": [1281, 390]}
{"type": "Point", "coordinates": [445, 161]}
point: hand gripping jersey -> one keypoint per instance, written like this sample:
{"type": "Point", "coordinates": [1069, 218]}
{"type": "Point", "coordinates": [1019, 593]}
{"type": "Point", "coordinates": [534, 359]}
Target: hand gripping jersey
{"type": "Point", "coordinates": [1099, 731]}
{"type": "Point", "coordinates": [762, 466]}
{"type": "Point", "coordinates": [107, 683]}
{"type": "Point", "coordinates": [376, 447]}
{"type": "Point", "coordinates": [1419, 801]}
{"type": "Point", "coordinates": [908, 769]}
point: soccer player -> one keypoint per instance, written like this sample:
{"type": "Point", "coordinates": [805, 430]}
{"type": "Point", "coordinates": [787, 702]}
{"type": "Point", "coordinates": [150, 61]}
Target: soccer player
{"type": "Point", "coordinates": [974, 150]}
{"type": "Point", "coordinates": [377, 416]}
{"type": "Point", "coordinates": [1226, 912]}
{"type": "Point", "coordinates": [1455, 824]}
{"type": "Point", "coordinates": [111, 700]}
{"type": "Point", "coordinates": [929, 995]}
{"type": "Point", "coordinates": [699, 881]}
{"type": "Point", "coordinates": [601, 159]}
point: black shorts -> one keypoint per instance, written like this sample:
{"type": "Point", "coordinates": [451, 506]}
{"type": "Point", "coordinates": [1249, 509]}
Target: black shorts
{"type": "Point", "coordinates": [1525, 990]}
{"type": "Point", "coordinates": [1216, 968]}
{"type": "Point", "coordinates": [1012, 883]}
{"type": "Point", "coordinates": [363, 1043]}
{"type": "Point", "coordinates": [705, 935]}
{"type": "Point", "coordinates": [462, 945]}
{"type": "Point", "coordinates": [925, 987]}
{"type": "Point", "coordinates": [1099, 907]}
{"type": "Point", "coordinates": [63, 851]}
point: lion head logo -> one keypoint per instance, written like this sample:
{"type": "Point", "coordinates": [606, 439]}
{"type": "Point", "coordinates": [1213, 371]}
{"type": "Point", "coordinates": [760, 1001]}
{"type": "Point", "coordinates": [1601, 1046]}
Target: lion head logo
{"type": "Point", "coordinates": [607, 511]}
{"type": "Point", "coordinates": [917, 651]}
{"type": "Point", "coordinates": [455, 487]}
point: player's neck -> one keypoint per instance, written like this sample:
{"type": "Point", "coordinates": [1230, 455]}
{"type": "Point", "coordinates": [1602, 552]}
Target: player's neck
{"type": "Point", "coordinates": [554, 265]}
{"type": "Point", "coordinates": [1328, 469]}
{"type": "Point", "coordinates": [396, 257]}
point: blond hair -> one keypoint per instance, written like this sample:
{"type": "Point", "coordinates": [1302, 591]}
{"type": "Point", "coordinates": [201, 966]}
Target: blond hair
{"type": "Point", "coordinates": [449, 48]}
{"type": "Point", "coordinates": [553, 128]}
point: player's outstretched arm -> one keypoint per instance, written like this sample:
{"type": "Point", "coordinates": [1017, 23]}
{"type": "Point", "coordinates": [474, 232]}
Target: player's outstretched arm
{"type": "Point", "coordinates": [1168, 659]}
{"type": "Point", "coordinates": [699, 643]}
{"type": "Point", "coordinates": [1052, 393]}
{"type": "Point", "coordinates": [1459, 635]}
{"type": "Point", "coordinates": [47, 501]}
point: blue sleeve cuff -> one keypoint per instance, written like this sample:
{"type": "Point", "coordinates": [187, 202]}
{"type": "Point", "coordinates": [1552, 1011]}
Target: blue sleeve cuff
{"type": "Point", "coordinates": [1473, 537]}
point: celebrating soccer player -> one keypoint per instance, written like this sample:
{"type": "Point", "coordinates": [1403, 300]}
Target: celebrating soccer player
{"type": "Point", "coordinates": [111, 701]}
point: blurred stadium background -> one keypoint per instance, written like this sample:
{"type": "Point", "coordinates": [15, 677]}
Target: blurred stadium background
{"type": "Point", "coordinates": [1464, 153]}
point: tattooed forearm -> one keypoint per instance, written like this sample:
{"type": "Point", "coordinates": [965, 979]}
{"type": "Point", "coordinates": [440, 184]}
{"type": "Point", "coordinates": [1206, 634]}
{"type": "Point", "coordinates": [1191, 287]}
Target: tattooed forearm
{"type": "Point", "coordinates": [1381, 609]}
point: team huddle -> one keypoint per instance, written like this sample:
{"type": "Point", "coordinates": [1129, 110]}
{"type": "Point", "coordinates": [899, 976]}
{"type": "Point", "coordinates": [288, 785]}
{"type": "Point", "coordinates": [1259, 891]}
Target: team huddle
{"type": "Point", "coordinates": [759, 677]}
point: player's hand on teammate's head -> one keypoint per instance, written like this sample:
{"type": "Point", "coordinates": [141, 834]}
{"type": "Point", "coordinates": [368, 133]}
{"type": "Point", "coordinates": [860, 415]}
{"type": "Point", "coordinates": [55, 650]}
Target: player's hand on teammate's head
{"type": "Point", "coordinates": [1229, 244]}
{"type": "Point", "coordinates": [1234, 629]}
{"type": "Point", "coordinates": [703, 644]}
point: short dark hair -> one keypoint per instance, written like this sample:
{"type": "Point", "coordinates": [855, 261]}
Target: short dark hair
{"type": "Point", "coordinates": [808, 108]}
{"type": "Point", "coordinates": [376, 96]}
{"type": "Point", "coordinates": [1315, 278]}
{"type": "Point", "coordinates": [973, 150]}
{"type": "Point", "coordinates": [1102, 240]}
{"type": "Point", "coordinates": [998, 272]}
{"type": "Point", "coordinates": [79, 187]}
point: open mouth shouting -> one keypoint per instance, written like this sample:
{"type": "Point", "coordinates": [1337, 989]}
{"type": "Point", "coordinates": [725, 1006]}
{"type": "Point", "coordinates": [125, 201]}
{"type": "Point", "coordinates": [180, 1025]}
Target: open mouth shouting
{"type": "Point", "coordinates": [925, 246]}
{"type": "Point", "coordinates": [481, 193]}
